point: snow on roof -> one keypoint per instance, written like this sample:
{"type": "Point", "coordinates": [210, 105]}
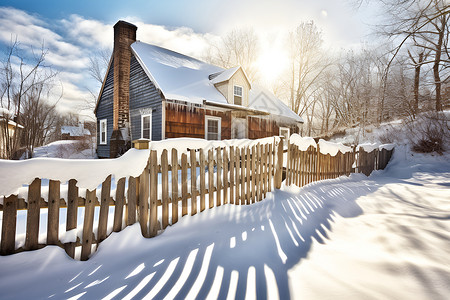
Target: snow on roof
{"type": "Point", "coordinates": [74, 131]}
{"type": "Point", "coordinates": [180, 77]}
{"type": "Point", "coordinates": [5, 112]}
{"type": "Point", "coordinates": [264, 100]}
{"type": "Point", "coordinates": [177, 76]}
{"type": "Point", "coordinates": [225, 75]}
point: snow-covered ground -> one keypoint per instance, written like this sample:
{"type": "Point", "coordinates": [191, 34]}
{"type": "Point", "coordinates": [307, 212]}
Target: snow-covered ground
{"type": "Point", "coordinates": [382, 237]}
{"type": "Point", "coordinates": [73, 149]}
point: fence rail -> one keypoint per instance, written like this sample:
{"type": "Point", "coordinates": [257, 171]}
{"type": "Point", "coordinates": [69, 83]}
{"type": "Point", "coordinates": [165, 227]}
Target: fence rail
{"type": "Point", "coordinates": [188, 182]}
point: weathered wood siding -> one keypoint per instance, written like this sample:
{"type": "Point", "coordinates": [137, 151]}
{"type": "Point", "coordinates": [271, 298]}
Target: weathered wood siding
{"type": "Point", "coordinates": [263, 127]}
{"type": "Point", "coordinates": [144, 98]}
{"type": "Point", "coordinates": [105, 111]}
{"type": "Point", "coordinates": [189, 121]}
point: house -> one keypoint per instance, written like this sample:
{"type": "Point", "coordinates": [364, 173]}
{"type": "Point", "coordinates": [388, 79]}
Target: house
{"type": "Point", "coordinates": [154, 93]}
{"type": "Point", "coordinates": [8, 127]}
{"type": "Point", "coordinates": [74, 132]}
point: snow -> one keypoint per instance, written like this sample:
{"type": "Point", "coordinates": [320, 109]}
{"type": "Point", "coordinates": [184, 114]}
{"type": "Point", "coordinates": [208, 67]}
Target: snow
{"type": "Point", "coordinates": [225, 75]}
{"type": "Point", "coordinates": [303, 143]}
{"type": "Point", "coordinates": [67, 149]}
{"type": "Point", "coordinates": [88, 172]}
{"type": "Point", "coordinates": [262, 99]}
{"type": "Point", "coordinates": [357, 237]}
{"type": "Point", "coordinates": [183, 78]}
{"type": "Point", "coordinates": [332, 148]}
{"type": "Point", "coordinates": [75, 131]}
{"type": "Point", "coordinates": [178, 76]}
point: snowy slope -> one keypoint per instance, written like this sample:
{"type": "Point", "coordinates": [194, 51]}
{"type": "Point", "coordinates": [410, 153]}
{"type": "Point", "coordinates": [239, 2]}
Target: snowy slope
{"type": "Point", "coordinates": [386, 236]}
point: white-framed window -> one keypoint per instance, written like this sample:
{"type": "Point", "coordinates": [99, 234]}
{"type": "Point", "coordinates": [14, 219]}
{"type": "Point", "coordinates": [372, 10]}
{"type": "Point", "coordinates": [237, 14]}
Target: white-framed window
{"type": "Point", "coordinates": [103, 132]}
{"type": "Point", "coordinates": [237, 92]}
{"type": "Point", "coordinates": [212, 128]}
{"type": "Point", "coordinates": [146, 126]}
{"type": "Point", "coordinates": [285, 132]}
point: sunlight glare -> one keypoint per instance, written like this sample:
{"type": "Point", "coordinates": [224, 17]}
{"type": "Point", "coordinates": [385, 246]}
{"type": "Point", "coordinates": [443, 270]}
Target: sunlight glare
{"type": "Point", "coordinates": [272, 62]}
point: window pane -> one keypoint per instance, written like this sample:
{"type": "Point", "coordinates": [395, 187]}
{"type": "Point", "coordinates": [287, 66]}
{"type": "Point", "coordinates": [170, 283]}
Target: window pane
{"type": "Point", "coordinates": [237, 100]}
{"type": "Point", "coordinates": [237, 91]}
{"type": "Point", "coordinates": [146, 133]}
{"type": "Point", "coordinates": [212, 129]}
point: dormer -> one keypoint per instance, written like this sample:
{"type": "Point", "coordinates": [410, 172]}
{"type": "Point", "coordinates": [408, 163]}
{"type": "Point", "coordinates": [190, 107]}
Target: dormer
{"type": "Point", "coordinates": [233, 84]}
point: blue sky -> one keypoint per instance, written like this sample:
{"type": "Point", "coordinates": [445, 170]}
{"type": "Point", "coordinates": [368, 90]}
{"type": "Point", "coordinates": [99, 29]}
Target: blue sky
{"type": "Point", "coordinates": [74, 30]}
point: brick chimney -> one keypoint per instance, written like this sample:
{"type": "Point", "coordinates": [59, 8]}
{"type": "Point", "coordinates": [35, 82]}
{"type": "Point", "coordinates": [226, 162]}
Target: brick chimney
{"type": "Point", "coordinates": [124, 36]}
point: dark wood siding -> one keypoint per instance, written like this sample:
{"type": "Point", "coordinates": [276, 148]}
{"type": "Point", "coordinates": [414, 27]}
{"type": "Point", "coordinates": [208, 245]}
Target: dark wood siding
{"type": "Point", "coordinates": [189, 121]}
{"type": "Point", "coordinates": [144, 98]}
{"type": "Point", "coordinates": [262, 127]}
{"type": "Point", "coordinates": [105, 111]}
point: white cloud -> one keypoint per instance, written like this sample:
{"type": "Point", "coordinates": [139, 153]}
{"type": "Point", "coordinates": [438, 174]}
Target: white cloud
{"type": "Point", "coordinates": [91, 33]}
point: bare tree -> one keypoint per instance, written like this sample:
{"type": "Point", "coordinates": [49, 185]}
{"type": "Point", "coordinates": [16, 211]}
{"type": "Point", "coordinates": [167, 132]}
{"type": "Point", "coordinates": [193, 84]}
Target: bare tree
{"type": "Point", "coordinates": [307, 66]}
{"type": "Point", "coordinates": [21, 75]}
{"type": "Point", "coordinates": [423, 24]}
{"type": "Point", "coordinates": [238, 47]}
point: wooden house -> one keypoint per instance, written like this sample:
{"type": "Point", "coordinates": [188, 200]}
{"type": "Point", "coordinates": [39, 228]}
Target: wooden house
{"type": "Point", "coordinates": [154, 93]}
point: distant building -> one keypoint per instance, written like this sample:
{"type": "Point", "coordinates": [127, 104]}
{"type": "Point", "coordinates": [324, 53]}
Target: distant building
{"type": "Point", "coordinates": [74, 132]}
{"type": "Point", "coordinates": [7, 129]}
{"type": "Point", "coordinates": [154, 93]}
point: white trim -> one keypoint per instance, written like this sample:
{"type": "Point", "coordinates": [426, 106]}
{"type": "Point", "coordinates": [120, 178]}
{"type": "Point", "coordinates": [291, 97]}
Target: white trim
{"type": "Point", "coordinates": [105, 126]}
{"type": "Point", "coordinates": [219, 137]}
{"type": "Point", "coordinates": [242, 94]}
{"type": "Point", "coordinates": [142, 125]}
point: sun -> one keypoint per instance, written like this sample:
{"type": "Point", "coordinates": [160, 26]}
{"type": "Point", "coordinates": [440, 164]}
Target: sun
{"type": "Point", "coordinates": [272, 63]}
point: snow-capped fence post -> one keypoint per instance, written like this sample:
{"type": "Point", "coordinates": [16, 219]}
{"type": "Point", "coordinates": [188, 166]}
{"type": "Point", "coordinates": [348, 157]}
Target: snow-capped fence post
{"type": "Point", "coordinates": [8, 242]}
{"type": "Point", "coordinates": [279, 168]}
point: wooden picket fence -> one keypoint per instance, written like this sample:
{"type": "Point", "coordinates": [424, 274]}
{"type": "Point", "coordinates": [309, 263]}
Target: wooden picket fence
{"type": "Point", "coordinates": [236, 175]}
{"type": "Point", "coordinates": [304, 167]}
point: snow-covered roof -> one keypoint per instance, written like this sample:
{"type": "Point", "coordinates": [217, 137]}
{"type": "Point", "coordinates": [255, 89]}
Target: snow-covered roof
{"type": "Point", "coordinates": [225, 75]}
{"type": "Point", "coordinates": [74, 131]}
{"type": "Point", "coordinates": [262, 99]}
{"type": "Point", "coordinates": [177, 76]}
{"type": "Point", "coordinates": [184, 78]}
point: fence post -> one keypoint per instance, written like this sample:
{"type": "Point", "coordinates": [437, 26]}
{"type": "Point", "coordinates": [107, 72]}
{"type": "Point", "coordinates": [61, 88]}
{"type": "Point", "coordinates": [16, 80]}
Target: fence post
{"type": "Point", "coordinates": [8, 242]}
{"type": "Point", "coordinates": [153, 230]}
{"type": "Point", "coordinates": [279, 166]}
